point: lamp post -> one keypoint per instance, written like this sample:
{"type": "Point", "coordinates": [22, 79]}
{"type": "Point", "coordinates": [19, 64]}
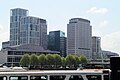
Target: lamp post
{"type": "Point", "coordinates": [101, 55]}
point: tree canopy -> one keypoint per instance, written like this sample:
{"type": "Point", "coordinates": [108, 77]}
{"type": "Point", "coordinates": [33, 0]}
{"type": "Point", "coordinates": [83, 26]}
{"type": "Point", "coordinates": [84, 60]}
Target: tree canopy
{"type": "Point", "coordinates": [25, 60]}
{"type": "Point", "coordinates": [53, 60]}
{"type": "Point", "coordinates": [34, 60]}
{"type": "Point", "coordinates": [42, 59]}
{"type": "Point", "coordinates": [83, 59]}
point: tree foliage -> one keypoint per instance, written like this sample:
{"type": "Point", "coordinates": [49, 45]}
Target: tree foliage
{"type": "Point", "coordinates": [42, 59]}
{"type": "Point", "coordinates": [83, 59]}
{"type": "Point", "coordinates": [63, 61]}
{"type": "Point", "coordinates": [77, 60]}
{"type": "Point", "coordinates": [34, 60]}
{"type": "Point", "coordinates": [50, 59]}
{"type": "Point", "coordinates": [53, 60]}
{"type": "Point", "coordinates": [70, 59]}
{"type": "Point", "coordinates": [25, 60]}
{"type": "Point", "coordinates": [57, 59]}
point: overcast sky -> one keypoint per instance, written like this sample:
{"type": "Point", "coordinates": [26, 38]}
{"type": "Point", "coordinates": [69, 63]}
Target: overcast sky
{"type": "Point", "coordinates": [103, 14]}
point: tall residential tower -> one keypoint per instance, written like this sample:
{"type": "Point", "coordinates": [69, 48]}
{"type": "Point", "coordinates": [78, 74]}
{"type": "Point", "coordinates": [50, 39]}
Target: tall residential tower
{"type": "Point", "coordinates": [79, 35]}
{"type": "Point", "coordinates": [26, 29]}
{"type": "Point", "coordinates": [15, 18]}
{"type": "Point", "coordinates": [33, 30]}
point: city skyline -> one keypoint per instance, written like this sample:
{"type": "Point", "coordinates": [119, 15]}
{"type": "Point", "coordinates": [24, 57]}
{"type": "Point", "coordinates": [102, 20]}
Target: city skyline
{"type": "Point", "coordinates": [103, 15]}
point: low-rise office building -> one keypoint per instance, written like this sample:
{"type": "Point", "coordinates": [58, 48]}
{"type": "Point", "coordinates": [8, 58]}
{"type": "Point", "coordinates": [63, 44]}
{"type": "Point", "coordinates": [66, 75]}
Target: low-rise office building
{"type": "Point", "coordinates": [108, 54]}
{"type": "Point", "coordinates": [12, 55]}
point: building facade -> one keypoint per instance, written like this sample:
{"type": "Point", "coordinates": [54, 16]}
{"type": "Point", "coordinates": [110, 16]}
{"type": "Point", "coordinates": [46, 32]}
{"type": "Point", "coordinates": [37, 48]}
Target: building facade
{"type": "Point", "coordinates": [33, 30]}
{"type": "Point", "coordinates": [57, 42]}
{"type": "Point", "coordinates": [108, 54]}
{"type": "Point", "coordinates": [79, 35]}
{"type": "Point", "coordinates": [26, 29]}
{"type": "Point", "coordinates": [12, 55]}
{"type": "Point", "coordinates": [15, 17]}
{"type": "Point", "coordinates": [96, 46]}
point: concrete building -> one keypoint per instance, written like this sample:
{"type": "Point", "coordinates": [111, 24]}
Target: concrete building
{"type": "Point", "coordinates": [96, 46]}
{"type": "Point", "coordinates": [5, 44]}
{"type": "Point", "coordinates": [12, 55]}
{"type": "Point", "coordinates": [15, 17]}
{"type": "Point", "coordinates": [79, 35]}
{"type": "Point", "coordinates": [33, 30]}
{"type": "Point", "coordinates": [108, 54]}
{"type": "Point", "coordinates": [57, 42]}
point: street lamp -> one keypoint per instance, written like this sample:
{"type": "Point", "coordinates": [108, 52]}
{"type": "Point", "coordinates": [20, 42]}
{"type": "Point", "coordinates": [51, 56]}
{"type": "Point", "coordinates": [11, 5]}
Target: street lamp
{"type": "Point", "coordinates": [101, 55]}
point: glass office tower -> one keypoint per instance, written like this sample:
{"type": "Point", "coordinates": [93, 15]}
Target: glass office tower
{"type": "Point", "coordinates": [57, 42]}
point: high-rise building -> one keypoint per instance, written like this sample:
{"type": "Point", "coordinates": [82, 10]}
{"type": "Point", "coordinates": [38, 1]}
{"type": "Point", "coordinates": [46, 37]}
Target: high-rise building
{"type": "Point", "coordinates": [15, 17]}
{"type": "Point", "coordinates": [57, 42]}
{"type": "Point", "coordinates": [25, 29]}
{"type": "Point", "coordinates": [79, 37]}
{"type": "Point", "coordinates": [96, 46]}
{"type": "Point", "coordinates": [33, 30]}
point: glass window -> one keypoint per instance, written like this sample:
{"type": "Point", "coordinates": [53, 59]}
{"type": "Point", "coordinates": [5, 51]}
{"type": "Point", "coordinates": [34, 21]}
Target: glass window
{"type": "Point", "coordinates": [31, 27]}
{"type": "Point", "coordinates": [10, 53]}
{"type": "Point", "coordinates": [57, 77]}
{"type": "Point", "coordinates": [3, 78]}
{"type": "Point", "coordinates": [76, 77]}
{"type": "Point", "coordinates": [94, 77]}
{"type": "Point", "coordinates": [38, 78]}
{"type": "Point", "coordinates": [18, 78]}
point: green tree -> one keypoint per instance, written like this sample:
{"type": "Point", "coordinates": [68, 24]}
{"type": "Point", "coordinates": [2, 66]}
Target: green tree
{"type": "Point", "coordinates": [42, 59]}
{"type": "Point", "coordinates": [83, 59]}
{"type": "Point", "coordinates": [57, 60]}
{"type": "Point", "coordinates": [63, 61]}
{"type": "Point", "coordinates": [25, 60]}
{"type": "Point", "coordinates": [50, 59]}
{"type": "Point", "coordinates": [70, 60]}
{"type": "Point", "coordinates": [34, 60]}
{"type": "Point", "coordinates": [77, 60]}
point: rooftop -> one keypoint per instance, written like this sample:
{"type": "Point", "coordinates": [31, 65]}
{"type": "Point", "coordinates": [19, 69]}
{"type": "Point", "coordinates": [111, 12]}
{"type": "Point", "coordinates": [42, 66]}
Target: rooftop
{"type": "Point", "coordinates": [28, 48]}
